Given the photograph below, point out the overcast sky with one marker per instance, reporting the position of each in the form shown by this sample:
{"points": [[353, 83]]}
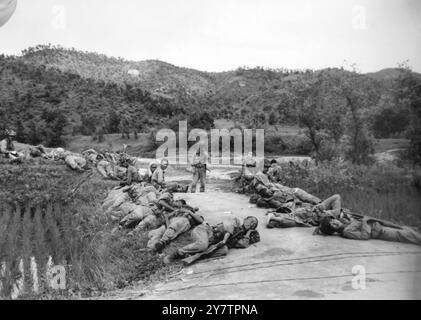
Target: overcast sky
{"points": [[221, 35]]}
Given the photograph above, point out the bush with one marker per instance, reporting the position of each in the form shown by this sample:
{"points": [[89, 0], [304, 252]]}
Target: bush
{"points": [[287, 145]]}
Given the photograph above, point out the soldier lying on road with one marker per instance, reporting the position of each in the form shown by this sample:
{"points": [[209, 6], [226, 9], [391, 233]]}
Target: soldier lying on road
{"points": [[306, 215], [181, 220], [216, 240], [368, 228]]}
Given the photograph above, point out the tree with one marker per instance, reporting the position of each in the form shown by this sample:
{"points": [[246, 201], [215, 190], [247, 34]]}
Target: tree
{"points": [[113, 122], [125, 127], [359, 97], [54, 129], [410, 93]]}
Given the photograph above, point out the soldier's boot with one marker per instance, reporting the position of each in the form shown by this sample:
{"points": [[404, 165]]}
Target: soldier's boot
{"points": [[176, 255], [159, 246]]}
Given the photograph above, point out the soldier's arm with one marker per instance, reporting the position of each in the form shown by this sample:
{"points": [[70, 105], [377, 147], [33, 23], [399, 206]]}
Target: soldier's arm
{"points": [[165, 205], [196, 217], [226, 237], [244, 242]]}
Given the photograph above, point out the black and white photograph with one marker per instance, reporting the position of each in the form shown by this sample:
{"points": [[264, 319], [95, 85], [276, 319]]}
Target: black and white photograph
{"points": [[209, 154]]}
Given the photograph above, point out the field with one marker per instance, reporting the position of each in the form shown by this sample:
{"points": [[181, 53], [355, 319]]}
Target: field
{"points": [[74, 233], [293, 136]]}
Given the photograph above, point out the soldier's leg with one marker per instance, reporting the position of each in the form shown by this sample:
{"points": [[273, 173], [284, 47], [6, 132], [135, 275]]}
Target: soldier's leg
{"points": [[281, 221], [194, 180], [275, 203], [262, 203], [406, 235], [101, 169], [81, 163], [176, 227], [202, 179], [136, 215], [151, 221], [154, 236], [200, 241], [305, 196]]}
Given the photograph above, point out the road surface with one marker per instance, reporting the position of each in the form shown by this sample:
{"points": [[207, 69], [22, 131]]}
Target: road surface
{"points": [[290, 264]]}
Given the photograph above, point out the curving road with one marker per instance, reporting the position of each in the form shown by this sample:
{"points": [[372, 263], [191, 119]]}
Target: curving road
{"points": [[291, 264]]}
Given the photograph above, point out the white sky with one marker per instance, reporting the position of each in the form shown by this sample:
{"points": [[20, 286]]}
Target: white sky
{"points": [[217, 35]]}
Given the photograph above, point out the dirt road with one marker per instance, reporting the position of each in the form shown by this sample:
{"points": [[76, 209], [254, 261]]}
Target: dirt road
{"points": [[291, 264]]}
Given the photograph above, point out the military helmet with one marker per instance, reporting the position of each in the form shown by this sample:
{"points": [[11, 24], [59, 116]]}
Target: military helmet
{"points": [[10, 133], [254, 198], [266, 163]]}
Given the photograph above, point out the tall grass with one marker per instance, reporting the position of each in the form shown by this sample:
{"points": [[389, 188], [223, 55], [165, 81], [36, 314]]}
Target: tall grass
{"points": [[38, 222], [380, 190]]}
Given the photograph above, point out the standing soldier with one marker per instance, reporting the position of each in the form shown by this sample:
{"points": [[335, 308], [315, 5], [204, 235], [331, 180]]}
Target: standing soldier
{"points": [[6, 145], [158, 176], [199, 162]]}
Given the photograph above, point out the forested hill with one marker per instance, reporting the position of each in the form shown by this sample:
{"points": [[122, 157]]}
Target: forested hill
{"points": [[50, 90], [43, 102]]}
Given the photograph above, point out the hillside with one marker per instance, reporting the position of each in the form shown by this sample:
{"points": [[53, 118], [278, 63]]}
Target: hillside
{"points": [[51, 91]]}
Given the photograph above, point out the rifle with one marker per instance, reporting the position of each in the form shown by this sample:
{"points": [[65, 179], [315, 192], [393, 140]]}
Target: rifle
{"points": [[189, 260], [82, 181], [381, 221]]}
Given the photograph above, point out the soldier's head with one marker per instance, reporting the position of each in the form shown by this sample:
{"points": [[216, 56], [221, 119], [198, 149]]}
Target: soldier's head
{"points": [[218, 231], [153, 166], [10, 134], [329, 225], [164, 164], [266, 165], [250, 223], [254, 198], [179, 203]]}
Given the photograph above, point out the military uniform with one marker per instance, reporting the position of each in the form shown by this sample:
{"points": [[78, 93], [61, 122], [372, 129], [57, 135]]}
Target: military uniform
{"points": [[158, 178], [374, 230], [199, 171], [179, 222], [204, 236], [75, 162], [7, 147], [275, 173], [305, 214]]}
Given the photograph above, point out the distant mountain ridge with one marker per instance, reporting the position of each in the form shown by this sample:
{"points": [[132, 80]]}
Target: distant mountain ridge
{"points": [[94, 90], [157, 76]]}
